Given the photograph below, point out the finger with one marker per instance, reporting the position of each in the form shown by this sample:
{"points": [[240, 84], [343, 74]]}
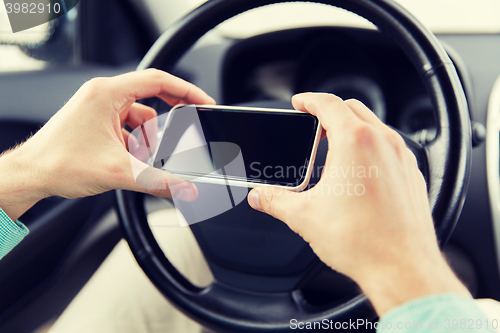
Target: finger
{"points": [[130, 142], [157, 182], [410, 163], [141, 152], [175, 101], [137, 114], [275, 201], [137, 149], [364, 113], [144, 121], [153, 82], [331, 110]]}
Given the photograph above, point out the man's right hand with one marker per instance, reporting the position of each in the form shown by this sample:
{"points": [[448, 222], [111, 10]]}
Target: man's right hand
{"points": [[369, 216]]}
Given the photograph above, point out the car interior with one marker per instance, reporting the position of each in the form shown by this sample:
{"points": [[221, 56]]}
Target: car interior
{"points": [[258, 58]]}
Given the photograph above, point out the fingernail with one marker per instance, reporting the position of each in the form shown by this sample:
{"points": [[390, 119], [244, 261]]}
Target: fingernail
{"points": [[254, 200], [184, 192]]}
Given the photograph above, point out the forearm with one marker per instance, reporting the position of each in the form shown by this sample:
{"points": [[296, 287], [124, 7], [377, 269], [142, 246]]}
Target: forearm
{"points": [[390, 287], [21, 182]]}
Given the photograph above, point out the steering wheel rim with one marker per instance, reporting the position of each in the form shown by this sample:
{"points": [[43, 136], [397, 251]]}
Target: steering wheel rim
{"points": [[447, 158]]}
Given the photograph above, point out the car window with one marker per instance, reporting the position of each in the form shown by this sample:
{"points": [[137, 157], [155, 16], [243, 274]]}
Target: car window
{"points": [[47, 45]]}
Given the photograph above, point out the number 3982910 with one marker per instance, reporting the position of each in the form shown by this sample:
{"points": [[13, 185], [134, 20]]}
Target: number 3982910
{"points": [[32, 8]]}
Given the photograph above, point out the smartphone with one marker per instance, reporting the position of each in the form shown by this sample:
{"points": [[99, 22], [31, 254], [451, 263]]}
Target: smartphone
{"points": [[239, 146]]}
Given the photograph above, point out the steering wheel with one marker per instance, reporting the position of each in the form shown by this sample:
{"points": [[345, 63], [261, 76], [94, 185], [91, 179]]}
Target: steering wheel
{"points": [[257, 262]]}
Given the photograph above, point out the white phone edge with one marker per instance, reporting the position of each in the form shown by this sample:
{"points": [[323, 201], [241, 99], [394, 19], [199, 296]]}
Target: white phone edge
{"points": [[242, 183]]}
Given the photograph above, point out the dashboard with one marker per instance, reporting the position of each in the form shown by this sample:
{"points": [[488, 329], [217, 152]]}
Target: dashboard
{"points": [[348, 62]]}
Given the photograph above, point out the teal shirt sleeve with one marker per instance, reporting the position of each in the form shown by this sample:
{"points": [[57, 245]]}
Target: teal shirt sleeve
{"points": [[438, 314], [11, 233]]}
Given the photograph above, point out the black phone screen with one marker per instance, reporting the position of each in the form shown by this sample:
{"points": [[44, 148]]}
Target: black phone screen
{"points": [[254, 146]]}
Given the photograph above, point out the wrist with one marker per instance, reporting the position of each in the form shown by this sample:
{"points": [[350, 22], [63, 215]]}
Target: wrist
{"points": [[388, 287], [21, 182]]}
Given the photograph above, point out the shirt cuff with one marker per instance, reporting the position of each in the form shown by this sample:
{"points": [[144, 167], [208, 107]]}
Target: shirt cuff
{"points": [[11, 233], [438, 313]]}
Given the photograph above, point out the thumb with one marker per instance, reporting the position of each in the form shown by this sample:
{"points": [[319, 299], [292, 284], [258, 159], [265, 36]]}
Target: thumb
{"points": [[275, 201], [157, 182]]}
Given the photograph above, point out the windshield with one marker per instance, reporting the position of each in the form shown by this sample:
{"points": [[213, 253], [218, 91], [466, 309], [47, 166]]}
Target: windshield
{"points": [[36, 48], [440, 16]]}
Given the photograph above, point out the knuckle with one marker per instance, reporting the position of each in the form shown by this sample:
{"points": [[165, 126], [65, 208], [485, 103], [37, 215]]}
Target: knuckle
{"points": [[310, 103], [95, 85], [151, 180], [116, 173], [116, 169], [157, 192], [152, 70], [157, 185], [331, 98], [318, 99], [269, 203], [354, 103], [156, 73], [364, 134], [396, 140], [411, 157]]}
